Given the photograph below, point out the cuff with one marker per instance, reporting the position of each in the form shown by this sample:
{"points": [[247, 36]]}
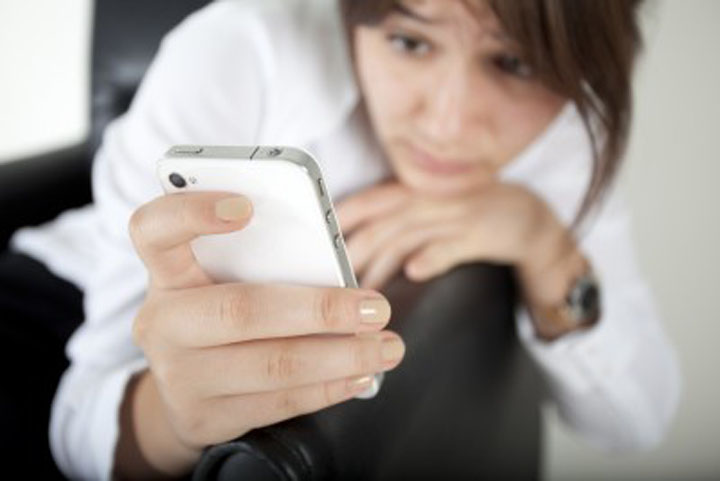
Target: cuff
{"points": [[105, 419], [579, 360]]}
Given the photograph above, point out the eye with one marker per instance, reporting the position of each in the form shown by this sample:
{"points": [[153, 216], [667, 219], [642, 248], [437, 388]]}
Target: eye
{"points": [[513, 65], [409, 45]]}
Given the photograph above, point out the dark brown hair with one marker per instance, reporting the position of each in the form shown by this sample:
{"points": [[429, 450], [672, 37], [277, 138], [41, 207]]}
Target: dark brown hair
{"points": [[583, 50]]}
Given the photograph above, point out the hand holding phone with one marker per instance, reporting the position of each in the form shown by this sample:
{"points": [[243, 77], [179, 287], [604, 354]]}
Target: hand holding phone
{"points": [[293, 236], [229, 357]]}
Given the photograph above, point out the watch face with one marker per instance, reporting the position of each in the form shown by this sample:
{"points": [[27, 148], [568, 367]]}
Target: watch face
{"points": [[584, 300], [589, 298]]}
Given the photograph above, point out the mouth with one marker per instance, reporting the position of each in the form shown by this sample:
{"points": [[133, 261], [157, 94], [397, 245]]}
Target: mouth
{"points": [[437, 165]]}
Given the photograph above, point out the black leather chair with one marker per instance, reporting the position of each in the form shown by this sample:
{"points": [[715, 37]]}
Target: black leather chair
{"points": [[464, 404]]}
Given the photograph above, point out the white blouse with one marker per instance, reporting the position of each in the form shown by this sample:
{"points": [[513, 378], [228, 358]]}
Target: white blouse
{"points": [[278, 72]]}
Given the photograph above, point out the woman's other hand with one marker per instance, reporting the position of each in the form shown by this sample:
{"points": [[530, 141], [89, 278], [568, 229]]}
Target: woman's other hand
{"points": [[390, 227]]}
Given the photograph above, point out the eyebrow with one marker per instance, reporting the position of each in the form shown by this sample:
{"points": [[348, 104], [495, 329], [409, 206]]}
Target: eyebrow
{"points": [[403, 10]]}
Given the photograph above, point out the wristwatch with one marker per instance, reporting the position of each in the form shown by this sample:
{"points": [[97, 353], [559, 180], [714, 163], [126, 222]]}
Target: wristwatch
{"points": [[579, 309]]}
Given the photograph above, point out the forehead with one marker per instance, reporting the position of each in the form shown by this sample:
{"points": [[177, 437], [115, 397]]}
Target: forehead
{"points": [[473, 17]]}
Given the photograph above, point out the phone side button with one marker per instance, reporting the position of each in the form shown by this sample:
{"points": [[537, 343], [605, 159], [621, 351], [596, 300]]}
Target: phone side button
{"points": [[187, 150], [338, 240], [328, 216], [321, 186]]}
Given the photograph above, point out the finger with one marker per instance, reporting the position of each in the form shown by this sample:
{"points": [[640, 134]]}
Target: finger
{"points": [[390, 258], [272, 364], [364, 243], [373, 202], [235, 312], [162, 229], [438, 257], [224, 418], [370, 239]]}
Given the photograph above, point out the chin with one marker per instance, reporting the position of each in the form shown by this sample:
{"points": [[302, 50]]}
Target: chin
{"points": [[433, 179], [441, 186]]}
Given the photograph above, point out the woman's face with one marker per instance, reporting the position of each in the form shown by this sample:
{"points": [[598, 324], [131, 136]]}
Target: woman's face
{"points": [[447, 95]]}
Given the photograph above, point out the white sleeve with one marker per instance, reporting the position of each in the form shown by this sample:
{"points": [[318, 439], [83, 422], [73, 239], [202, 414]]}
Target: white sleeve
{"points": [[617, 384], [205, 87]]}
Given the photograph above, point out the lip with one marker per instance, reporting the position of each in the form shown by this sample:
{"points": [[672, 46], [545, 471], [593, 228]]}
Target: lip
{"points": [[437, 165]]}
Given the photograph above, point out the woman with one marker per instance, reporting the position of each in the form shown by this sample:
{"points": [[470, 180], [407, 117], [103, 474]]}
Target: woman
{"points": [[450, 131]]}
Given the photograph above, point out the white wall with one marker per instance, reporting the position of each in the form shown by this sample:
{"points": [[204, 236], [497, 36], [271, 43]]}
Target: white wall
{"points": [[671, 178], [43, 74]]}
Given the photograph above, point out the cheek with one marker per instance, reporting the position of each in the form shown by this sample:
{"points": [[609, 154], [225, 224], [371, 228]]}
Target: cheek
{"points": [[385, 86], [518, 121]]}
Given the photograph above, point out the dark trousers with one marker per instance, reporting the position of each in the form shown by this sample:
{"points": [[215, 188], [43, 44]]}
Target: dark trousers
{"points": [[38, 313]]}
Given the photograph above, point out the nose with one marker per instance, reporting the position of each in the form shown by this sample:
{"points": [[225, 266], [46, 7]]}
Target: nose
{"points": [[449, 106]]}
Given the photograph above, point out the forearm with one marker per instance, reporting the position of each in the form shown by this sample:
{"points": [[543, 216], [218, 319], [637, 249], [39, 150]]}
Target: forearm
{"points": [[616, 384], [147, 446]]}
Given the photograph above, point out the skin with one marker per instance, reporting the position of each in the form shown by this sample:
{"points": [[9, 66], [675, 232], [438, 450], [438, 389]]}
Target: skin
{"points": [[451, 96]]}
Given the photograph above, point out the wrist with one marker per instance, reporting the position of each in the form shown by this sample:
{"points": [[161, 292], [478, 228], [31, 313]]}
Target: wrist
{"points": [[554, 273], [576, 307], [551, 257], [148, 447]]}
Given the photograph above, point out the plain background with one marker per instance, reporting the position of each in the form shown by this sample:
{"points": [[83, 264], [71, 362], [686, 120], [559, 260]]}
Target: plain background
{"points": [[671, 178]]}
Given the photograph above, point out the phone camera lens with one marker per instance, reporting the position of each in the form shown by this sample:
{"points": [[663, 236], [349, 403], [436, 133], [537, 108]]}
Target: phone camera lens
{"points": [[177, 180]]}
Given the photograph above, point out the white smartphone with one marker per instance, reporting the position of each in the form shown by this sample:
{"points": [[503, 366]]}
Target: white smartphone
{"points": [[293, 236]]}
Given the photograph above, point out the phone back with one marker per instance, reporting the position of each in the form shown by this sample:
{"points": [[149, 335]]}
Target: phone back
{"points": [[293, 236]]}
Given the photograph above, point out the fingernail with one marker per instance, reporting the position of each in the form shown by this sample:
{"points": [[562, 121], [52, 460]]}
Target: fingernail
{"points": [[374, 311], [392, 348], [360, 383], [232, 208]]}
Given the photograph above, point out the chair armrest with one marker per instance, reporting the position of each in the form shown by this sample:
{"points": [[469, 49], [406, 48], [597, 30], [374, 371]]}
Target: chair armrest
{"points": [[463, 404], [36, 189]]}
